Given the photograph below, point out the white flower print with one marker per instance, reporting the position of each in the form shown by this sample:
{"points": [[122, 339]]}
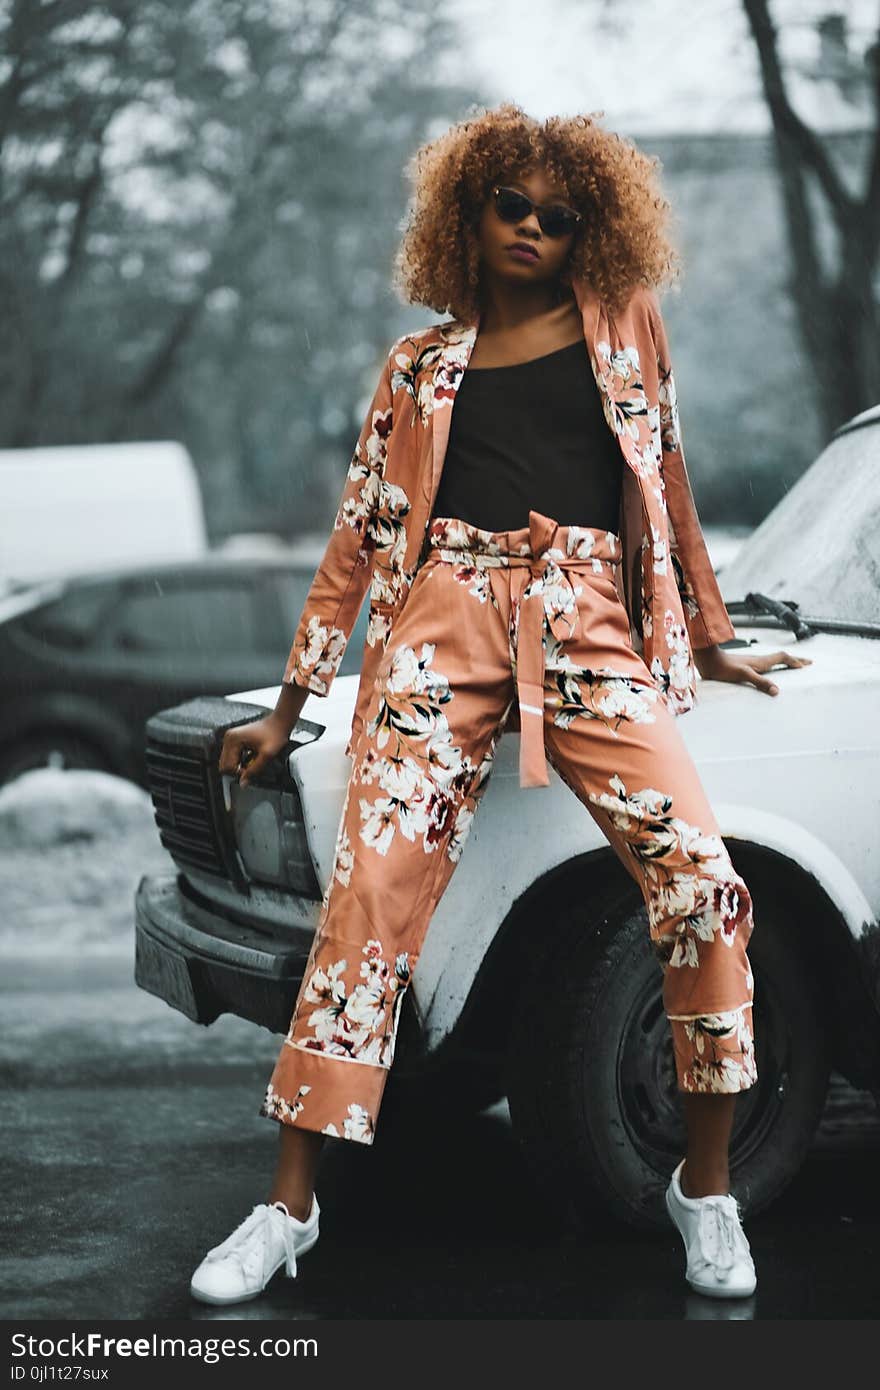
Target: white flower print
{"points": [[360, 1020], [722, 1051], [621, 699], [327, 984], [378, 627], [344, 858], [377, 830], [579, 692], [358, 1124], [460, 832], [670, 429], [693, 892], [386, 524], [677, 678], [275, 1107], [320, 656], [418, 804], [475, 579], [364, 1006], [433, 374], [659, 551], [409, 673], [581, 542], [560, 593]]}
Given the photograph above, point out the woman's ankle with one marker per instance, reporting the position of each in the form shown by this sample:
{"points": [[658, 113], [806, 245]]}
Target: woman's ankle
{"points": [[704, 1182], [296, 1206]]}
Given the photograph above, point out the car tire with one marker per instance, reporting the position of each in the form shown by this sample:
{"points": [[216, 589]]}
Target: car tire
{"points": [[63, 750], [591, 1078]]}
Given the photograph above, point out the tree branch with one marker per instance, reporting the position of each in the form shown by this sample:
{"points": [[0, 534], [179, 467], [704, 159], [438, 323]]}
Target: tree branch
{"points": [[786, 120]]}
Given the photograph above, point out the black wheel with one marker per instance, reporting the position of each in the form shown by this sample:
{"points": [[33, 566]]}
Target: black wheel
{"points": [[63, 750], [592, 1085]]}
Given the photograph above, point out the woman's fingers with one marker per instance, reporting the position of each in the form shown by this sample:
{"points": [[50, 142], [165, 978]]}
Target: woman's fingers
{"points": [[233, 754], [229, 753], [755, 669], [787, 658], [755, 677], [251, 766], [246, 750]]}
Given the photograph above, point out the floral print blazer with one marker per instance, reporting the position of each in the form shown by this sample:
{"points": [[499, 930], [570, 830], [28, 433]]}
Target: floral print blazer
{"points": [[666, 579]]}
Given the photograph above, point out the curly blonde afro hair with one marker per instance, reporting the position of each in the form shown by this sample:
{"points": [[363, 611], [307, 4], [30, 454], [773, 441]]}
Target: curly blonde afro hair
{"points": [[622, 241]]}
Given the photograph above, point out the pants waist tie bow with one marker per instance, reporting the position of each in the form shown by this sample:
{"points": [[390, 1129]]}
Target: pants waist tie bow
{"points": [[543, 589]]}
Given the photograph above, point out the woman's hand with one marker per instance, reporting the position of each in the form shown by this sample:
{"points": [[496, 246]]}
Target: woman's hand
{"points": [[264, 738], [716, 664]]}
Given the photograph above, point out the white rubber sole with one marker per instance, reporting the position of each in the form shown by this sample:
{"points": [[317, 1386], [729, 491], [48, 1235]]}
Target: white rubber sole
{"points": [[719, 1292], [219, 1300], [709, 1290]]}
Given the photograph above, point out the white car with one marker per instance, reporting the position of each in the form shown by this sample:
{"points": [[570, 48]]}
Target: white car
{"points": [[586, 1065]]}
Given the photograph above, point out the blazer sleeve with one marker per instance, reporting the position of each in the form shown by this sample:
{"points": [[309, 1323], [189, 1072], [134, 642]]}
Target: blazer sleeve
{"points": [[705, 612], [337, 590]]}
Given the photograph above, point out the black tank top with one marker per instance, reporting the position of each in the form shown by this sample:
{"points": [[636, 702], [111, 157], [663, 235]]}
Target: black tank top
{"points": [[531, 436]]}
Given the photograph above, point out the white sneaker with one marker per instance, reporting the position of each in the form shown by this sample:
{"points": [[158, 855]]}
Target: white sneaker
{"points": [[242, 1266], [719, 1260]]}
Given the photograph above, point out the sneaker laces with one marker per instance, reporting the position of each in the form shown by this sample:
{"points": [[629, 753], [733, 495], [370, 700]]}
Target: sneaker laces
{"points": [[721, 1237], [250, 1235]]}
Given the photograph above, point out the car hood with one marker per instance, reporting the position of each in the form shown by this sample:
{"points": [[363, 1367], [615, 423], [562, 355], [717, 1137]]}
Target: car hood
{"points": [[820, 546], [837, 660], [334, 710]]}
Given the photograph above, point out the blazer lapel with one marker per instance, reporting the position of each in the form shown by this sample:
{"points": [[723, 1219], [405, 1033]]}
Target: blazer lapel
{"points": [[604, 343], [456, 346], [621, 411]]}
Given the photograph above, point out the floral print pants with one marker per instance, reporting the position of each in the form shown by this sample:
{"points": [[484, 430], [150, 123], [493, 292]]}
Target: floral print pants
{"points": [[532, 616]]}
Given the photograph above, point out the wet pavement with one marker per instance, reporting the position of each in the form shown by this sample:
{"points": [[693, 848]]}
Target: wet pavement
{"points": [[131, 1142]]}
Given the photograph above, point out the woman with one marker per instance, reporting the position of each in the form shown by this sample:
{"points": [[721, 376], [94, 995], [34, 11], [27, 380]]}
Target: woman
{"points": [[545, 242]]}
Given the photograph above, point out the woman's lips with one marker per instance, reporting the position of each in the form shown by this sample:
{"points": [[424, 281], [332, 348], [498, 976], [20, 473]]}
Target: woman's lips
{"points": [[522, 253]]}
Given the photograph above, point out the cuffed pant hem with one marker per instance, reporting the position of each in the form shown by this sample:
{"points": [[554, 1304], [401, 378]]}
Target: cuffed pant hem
{"points": [[331, 1095], [715, 1053]]}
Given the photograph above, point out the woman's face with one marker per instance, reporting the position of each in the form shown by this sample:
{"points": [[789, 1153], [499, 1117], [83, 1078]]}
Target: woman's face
{"points": [[498, 238]]}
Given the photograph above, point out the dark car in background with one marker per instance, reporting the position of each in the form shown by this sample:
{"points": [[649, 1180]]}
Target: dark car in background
{"points": [[86, 660]]}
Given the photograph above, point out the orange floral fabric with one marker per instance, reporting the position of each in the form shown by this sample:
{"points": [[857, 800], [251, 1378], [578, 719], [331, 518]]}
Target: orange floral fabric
{"points": [[533, 617]]}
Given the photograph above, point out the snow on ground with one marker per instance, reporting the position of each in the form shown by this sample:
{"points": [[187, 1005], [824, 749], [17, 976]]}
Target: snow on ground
{"points": [[73, 846]]}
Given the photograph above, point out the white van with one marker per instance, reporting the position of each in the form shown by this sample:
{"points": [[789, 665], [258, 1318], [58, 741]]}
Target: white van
{"points": [[96, 506]]}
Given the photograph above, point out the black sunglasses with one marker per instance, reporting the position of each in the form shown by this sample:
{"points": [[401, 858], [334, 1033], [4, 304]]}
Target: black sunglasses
{"points": [[555, 219]]}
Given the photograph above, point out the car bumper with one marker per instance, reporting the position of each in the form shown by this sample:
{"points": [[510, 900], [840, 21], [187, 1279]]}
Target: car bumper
{"points": [[204, 965]]}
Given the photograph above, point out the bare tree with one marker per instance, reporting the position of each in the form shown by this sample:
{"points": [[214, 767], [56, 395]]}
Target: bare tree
{"points": [[198, 210], [837, 312]]}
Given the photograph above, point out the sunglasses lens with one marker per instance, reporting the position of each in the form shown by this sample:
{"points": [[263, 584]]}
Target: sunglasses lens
{"points": [[556, 221], [510, 205]]}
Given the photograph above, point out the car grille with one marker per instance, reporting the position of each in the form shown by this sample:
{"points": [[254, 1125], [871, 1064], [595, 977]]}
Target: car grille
{"points": [[181, 794], [181, 754], [181, 751]]}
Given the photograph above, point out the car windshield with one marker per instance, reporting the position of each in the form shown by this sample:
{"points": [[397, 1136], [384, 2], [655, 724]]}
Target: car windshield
{"points": [[820, 546]]}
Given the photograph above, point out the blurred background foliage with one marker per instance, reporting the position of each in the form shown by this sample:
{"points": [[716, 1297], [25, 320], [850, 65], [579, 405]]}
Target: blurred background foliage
{"points": [[200, 208], [201, 204]]}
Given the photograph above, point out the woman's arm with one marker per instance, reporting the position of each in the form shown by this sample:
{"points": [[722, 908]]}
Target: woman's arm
{"points": [[337, 590], [705, 612]]}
